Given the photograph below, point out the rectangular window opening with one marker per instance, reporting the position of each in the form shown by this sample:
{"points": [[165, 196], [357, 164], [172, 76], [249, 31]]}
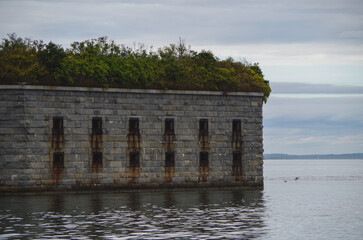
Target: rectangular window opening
{"points": [[97, 125], [57, 125], [237, 159], [134, 159], [203, 159], [203, 127], [134, 126], [97, 159], [58, 160], [169, 126], [236, 126], [169, 159]]}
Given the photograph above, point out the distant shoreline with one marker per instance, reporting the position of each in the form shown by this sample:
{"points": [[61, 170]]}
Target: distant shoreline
{"points": [[313, 156]]}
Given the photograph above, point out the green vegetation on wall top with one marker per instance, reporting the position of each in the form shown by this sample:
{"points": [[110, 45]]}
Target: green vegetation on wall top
{"points": [[100, 62]]}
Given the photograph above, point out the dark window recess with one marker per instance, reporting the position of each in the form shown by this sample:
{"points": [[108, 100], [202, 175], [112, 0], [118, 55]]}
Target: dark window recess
{"points": [[237, 159], [57, 125], [134, 159], [203, 127], [236, 126], [134, 126], [97, 159], [203, 159], [169, 126], [97, 125], [169, 159], [58, 160]]}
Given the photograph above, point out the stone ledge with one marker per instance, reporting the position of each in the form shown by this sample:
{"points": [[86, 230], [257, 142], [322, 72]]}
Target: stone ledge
{"points": [[86, 188], [124, 90]]}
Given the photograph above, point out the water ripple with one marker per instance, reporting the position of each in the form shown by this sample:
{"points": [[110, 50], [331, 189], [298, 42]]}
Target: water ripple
{"points": [[164, 215]]}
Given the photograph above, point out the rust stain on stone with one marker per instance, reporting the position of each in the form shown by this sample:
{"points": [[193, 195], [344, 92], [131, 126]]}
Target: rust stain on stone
{"points": [[133, 142], [169, 139], [133, 155], [96, 142], [204, 142], [237, 168], [237, 145], [169, 168], [58, 167], [203, 167], [237, 140], [133, 174], [203, 174], [97, 152], [57, 174], [95, 180], [169, 173], [169, 145], [96, 168], [237, 173], [57, 139]]}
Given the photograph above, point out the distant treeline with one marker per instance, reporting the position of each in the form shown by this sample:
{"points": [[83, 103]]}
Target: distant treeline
{"points": [[314, 156], [101, 62]]}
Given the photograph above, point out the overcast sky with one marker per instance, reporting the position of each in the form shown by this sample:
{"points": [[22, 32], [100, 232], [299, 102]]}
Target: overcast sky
{"points": [[311, 51]]}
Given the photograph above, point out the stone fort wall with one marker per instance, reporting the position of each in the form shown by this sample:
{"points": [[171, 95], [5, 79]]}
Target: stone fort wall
{"points": [[68, 138]]}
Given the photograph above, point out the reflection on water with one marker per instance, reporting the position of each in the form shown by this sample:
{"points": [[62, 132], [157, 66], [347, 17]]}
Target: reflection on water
{"points": [[325, 202], [190, 214]]}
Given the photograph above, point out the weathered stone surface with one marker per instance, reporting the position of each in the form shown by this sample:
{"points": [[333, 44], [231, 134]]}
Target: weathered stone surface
{"points": [[28, 147]]}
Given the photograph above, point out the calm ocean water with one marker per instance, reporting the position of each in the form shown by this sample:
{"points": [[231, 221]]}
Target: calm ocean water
{"points": [[325, 202]]}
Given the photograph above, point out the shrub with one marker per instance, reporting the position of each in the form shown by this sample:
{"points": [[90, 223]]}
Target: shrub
{"points": [[100, 62]]}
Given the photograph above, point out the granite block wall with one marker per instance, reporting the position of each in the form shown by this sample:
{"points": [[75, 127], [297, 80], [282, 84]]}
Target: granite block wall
{"points": [[59, 138]]}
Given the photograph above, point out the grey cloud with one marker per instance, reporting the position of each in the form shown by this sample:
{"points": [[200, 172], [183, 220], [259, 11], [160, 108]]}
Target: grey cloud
{"points": [[345, 108], [313, 125], [310, 141], [201, 22], [306, 88]]}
